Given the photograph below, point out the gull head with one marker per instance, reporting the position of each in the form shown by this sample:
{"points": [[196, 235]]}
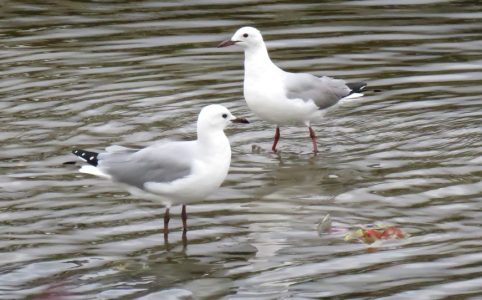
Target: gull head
{"points": [[246, 37], [216, 117]]}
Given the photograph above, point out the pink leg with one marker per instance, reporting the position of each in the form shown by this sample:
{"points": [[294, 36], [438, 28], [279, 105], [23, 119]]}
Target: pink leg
{"points": [[313, 139], [276, 139], [184, 219], [166, 222]]}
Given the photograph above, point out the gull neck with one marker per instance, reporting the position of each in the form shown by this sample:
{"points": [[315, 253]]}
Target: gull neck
{"points": [[257, 60], [211, 138]]}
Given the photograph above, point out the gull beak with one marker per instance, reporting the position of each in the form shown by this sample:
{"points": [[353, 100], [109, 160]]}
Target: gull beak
{"points": [[240, 120], [227, 43]]}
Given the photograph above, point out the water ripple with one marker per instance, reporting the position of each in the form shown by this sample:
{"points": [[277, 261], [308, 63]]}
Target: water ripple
{"points": [[407, 154]]}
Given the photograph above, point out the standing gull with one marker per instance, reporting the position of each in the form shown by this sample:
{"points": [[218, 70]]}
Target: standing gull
{"points": [[281, 97], [179, 172]]}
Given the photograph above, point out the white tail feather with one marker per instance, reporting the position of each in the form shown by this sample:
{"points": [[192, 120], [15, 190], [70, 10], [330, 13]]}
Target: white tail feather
{"points": [[353, 96], [94, 171]]}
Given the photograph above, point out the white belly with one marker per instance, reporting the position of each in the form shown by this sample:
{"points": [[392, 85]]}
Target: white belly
{"points": [[207, 176], [275, 108]]}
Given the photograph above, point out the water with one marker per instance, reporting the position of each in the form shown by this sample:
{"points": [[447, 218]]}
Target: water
{"points": [[93, 73]]}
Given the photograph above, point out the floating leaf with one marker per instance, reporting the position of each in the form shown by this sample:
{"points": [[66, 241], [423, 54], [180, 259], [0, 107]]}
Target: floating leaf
{"points": [[324, 225], [353, 235]]}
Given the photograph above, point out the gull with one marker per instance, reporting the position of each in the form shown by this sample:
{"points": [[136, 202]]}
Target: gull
{"points": [[179, 172], [281, 97]]}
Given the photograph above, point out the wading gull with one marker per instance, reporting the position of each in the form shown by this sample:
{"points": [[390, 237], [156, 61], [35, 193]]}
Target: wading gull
{"points": [[179, 172], [281, 97]]}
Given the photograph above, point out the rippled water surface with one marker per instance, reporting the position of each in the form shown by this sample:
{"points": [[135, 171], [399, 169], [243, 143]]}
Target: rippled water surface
{"points": [[93, 73]]}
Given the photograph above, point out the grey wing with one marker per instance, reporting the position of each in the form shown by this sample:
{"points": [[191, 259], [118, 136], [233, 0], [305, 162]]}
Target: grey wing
{"points": [[163, 163], [323, 91]]}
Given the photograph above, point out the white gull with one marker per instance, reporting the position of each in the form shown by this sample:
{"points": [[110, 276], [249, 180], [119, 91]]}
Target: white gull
{"points": [[178, 172], [281, 97]]}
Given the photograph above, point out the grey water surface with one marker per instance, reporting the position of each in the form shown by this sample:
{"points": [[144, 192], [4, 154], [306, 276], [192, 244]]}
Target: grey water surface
{"points": [[94, 73]]}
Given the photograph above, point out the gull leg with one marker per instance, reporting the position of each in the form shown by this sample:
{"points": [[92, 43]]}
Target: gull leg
{"points": [[184, 220], [166, 222], [313, 139], [184, 242], [276, 139]]}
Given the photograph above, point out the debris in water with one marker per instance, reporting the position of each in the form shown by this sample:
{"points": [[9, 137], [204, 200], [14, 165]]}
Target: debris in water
{"points": [[366, 234]]}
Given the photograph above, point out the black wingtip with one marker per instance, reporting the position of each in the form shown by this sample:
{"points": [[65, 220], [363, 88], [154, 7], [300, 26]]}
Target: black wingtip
{"points": [[357, 87], [87, 156]]}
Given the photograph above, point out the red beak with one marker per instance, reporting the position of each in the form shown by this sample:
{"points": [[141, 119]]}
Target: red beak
{"points": [[226, 43]]}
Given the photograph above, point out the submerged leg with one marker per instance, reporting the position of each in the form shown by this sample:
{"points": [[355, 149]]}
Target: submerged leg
{"points": [[166, 222], [184, 219], [313, 139], [276, 139]]}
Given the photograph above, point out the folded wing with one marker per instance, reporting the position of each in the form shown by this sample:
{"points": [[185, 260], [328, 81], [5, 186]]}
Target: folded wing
{"points": [[323, 91], [159, 163]]}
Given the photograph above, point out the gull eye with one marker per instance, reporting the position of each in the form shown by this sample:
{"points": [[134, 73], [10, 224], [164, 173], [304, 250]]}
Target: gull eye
{"points": [[225, 116], [245, 35]]}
